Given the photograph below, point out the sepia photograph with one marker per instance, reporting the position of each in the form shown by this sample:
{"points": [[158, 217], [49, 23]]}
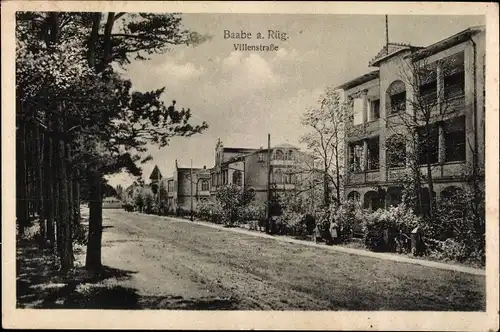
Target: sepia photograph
{"points": [[226, 161]]}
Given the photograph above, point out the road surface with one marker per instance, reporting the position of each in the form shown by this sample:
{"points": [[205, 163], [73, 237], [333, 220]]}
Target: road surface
{"points": [[168, 264]]}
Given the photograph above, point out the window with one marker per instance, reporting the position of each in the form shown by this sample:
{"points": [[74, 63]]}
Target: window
{"points": [[214, 180], [398, 102], [354, 196], [428, 144], [396, 151], [289, 155], [454, 138], [372, 162], [356, 157], [260, 156], [205, 185], [289, 177], [278, 155], [374, 112], [428, 92], [224, 177], [278, 176], [237, 178], [428, 83], [358, 111], [396, 97], [454, 75]]}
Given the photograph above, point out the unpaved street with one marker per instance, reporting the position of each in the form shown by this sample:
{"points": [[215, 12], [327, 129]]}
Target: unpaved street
{"points": [[178, 265]]}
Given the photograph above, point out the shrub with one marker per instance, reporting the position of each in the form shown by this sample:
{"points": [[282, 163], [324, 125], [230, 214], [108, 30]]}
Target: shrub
{"points": [[451, 250], [253, 212], [349, 217], [382, 226], [233, 201], [209, 211], [458, 228]]}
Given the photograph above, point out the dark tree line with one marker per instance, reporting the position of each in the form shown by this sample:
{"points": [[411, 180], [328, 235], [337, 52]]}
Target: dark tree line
{"points": [[78, 120]]}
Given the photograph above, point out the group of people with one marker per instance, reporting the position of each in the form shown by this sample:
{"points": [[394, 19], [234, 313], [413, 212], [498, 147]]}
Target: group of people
{"points": [[327, 229]]}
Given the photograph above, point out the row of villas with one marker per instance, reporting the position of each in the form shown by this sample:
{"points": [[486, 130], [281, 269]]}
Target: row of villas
{"points": [[376, 105], [289, 169], [447, 74]]}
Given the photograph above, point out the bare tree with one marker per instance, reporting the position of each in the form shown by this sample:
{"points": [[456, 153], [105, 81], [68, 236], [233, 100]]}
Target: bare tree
{"points": [[325, 141], [420, 106]]}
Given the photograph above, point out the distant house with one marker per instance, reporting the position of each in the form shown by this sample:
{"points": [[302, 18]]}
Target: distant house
{"points": [[155, 178], [111, 203], [185, 186]]}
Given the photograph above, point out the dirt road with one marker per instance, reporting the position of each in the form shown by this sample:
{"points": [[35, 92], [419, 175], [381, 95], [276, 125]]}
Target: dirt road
{"points": [[166, 264]]}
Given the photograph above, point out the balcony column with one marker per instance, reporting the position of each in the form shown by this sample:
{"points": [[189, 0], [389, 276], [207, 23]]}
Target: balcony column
{"points": [[441, 145], [469, 95], [440, 84], [364, 166], [364, 96]]}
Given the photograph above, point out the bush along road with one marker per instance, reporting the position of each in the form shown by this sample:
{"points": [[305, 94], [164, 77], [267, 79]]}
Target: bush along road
{"points": [[159, 263]]}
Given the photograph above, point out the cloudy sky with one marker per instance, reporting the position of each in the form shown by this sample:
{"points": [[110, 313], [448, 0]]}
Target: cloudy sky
{"points": [[246, 95]]}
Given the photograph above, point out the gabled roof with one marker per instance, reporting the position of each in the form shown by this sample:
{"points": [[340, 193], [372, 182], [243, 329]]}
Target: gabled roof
{"points": [[446, 43], [359, 80], [389, 51], [155, 174]]}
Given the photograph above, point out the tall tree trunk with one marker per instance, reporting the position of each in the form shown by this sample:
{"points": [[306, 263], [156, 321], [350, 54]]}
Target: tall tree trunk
{"points": [[430, 182], [93, 259], [65, 206], [56, 169], [21, 195], [40, 191], [94, 34], [326, 190], [49, 186], [76, 197]]}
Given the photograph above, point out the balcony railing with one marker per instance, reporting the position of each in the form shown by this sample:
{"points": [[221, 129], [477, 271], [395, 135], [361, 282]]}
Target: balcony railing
{"points": [[282, 162]]}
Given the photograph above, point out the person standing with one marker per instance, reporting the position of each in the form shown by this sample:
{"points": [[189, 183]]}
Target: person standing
{"points": [[334, 231]]}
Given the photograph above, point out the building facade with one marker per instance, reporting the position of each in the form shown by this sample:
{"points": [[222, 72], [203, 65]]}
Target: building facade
{"points": [[185, 188], [289, 168], [422, 105]]}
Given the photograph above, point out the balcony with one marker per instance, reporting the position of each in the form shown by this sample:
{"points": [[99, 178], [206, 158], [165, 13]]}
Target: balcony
{"points": [[369, 176], [282, 162], [284, 186], [363, 130]]}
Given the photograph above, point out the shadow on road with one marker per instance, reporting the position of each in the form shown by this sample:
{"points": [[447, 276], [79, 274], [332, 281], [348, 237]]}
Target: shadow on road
{"points": [[39, 285]]}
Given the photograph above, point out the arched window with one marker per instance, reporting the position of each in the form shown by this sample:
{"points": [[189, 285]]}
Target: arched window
{"points": [[290, 155], [237, 178], [354, 196], [279, 155], [396, 97], [373, 201]]}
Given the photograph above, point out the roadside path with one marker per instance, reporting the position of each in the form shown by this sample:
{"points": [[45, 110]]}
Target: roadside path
{"points": [[353, 251]]}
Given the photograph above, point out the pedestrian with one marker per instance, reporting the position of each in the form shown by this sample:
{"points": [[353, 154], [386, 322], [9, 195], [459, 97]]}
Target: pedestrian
{"points": [[316, 233], [334, 231]]}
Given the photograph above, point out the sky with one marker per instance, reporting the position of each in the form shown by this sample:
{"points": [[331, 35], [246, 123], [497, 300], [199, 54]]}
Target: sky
{"points": [[245, 95]]}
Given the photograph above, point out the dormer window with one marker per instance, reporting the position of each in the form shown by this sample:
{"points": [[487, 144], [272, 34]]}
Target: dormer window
{"points": [[261, 156]]}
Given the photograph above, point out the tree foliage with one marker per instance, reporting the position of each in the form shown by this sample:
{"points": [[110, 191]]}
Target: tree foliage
{"points": [[233, 200], [91, 122], [325, 140]]}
